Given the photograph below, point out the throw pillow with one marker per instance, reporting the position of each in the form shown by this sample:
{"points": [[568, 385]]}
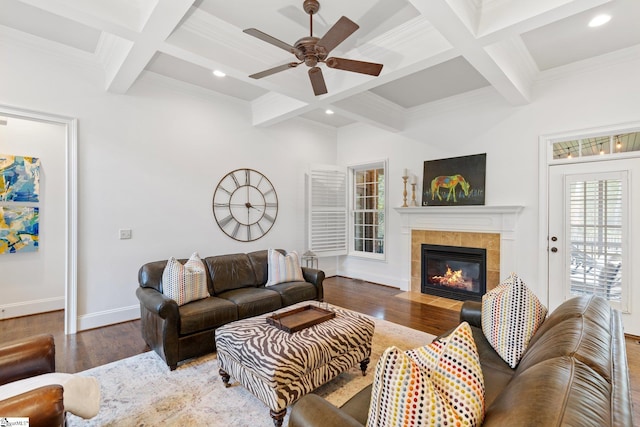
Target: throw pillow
{"points": [[438, 384], [283, 268], [185, 283], [511, 314], [81, 395]]}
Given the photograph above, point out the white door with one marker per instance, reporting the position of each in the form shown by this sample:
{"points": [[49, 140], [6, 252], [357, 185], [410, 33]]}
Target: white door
{"points": [[591, 234]]}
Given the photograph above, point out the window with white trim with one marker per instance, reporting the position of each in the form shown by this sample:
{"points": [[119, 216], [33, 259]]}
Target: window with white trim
{"points": [[368, 210]]}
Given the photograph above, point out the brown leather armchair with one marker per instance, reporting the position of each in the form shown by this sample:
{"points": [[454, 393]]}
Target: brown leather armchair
{"points": [[26, 358]]}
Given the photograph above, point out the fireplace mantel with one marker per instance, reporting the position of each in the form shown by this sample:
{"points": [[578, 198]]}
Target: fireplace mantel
{"points": [[497, 219], [461, 219]]}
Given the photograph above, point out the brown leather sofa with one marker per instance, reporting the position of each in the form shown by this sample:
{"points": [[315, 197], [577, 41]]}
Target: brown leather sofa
{"points": [[574, 372], [26, 358], [236, 285]]}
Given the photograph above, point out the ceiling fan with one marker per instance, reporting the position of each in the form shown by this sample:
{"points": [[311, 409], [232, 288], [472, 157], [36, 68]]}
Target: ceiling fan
{"points": [[313, 50]]}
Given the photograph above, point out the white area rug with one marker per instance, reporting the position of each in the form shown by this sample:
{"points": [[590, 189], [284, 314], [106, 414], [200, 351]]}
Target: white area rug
{"points": [[142, 391]]}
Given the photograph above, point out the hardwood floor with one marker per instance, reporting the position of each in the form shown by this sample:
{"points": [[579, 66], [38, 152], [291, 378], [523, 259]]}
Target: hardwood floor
{"points": [[96, 347]]}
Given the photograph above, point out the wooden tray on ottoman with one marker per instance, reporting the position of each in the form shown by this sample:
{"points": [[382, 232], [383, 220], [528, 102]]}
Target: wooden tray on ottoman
{"points": [[300, 318]]}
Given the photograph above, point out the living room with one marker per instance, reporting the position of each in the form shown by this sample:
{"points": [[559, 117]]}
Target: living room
{"points": [[149, 157]]}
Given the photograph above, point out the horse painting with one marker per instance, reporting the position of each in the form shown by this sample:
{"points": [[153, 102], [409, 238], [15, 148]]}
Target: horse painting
{"points": [[449, 182]]}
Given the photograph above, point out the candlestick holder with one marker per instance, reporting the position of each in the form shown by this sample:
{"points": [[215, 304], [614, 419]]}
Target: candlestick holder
{"points": [[413, 194], [404, 192]]}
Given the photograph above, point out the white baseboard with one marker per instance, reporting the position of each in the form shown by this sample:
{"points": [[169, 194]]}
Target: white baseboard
{"points": [[394, 282], [108, 317], [26, 308]]}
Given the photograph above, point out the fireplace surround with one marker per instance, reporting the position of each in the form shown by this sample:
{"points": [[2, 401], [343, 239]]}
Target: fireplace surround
{"points": [[453, 272]]}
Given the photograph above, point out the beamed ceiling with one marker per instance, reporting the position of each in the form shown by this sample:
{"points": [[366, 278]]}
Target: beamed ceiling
{"points": [[431, 49]]}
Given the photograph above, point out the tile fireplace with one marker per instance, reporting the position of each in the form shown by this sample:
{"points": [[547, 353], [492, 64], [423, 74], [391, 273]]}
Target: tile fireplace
{"points": [[453, 272]]}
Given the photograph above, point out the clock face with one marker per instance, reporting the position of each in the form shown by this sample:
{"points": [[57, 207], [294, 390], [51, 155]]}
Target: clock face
{"points": [[245, 205]]}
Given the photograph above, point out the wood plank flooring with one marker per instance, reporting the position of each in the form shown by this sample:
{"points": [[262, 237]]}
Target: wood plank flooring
{"points": [[96, 347]]}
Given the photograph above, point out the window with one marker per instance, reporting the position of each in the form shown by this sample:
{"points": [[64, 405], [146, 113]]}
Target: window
{"points": [[597, 146], [368, 208], [597, 227]]}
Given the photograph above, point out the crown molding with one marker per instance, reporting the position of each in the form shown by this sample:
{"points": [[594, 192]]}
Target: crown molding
{"points": [[58, 51], [608, 60]]}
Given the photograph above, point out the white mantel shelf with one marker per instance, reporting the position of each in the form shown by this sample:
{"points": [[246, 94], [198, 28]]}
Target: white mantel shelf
{"points": [[481, 218]]}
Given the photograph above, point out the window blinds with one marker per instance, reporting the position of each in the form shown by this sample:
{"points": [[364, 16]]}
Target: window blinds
{"points": [[327, 230]]}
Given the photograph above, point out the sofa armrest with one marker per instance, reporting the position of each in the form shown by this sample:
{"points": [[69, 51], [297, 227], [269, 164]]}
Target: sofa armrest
{"points": [[312, 410], [471, 312], [157, 303], [43, 406], [26, 358], [316, 277]]}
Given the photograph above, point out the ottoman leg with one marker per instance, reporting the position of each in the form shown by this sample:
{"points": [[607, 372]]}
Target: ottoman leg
{"points": [[225, 377], [363, 366], [278, 417]]}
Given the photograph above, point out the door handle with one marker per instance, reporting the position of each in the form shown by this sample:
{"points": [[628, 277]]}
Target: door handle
{"points": [[554, 239], [554, 249]]}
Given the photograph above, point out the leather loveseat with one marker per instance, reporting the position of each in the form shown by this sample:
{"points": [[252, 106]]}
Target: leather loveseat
{"points": [[574, 372], [236, 288]]}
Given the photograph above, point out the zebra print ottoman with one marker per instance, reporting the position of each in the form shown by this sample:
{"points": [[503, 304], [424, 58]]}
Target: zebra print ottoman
{"points": [[280, 367]]}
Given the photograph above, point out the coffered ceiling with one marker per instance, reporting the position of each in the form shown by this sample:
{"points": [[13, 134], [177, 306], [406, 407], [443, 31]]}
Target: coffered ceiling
{"points": [[431, 49]]}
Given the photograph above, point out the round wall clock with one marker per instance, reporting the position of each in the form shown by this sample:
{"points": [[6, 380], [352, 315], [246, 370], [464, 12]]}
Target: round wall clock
{"points": [[245, 205]]}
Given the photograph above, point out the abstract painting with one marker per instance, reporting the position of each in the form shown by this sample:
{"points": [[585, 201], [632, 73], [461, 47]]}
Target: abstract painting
{"points": [[454, 181], [18, 229], [19, 178]]}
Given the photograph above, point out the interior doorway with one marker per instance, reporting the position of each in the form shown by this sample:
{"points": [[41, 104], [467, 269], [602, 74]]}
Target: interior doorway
{"points": [[63, 216]]}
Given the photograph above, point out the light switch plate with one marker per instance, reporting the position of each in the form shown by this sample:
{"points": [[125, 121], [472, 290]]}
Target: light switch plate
{"points": [[125, 234]]}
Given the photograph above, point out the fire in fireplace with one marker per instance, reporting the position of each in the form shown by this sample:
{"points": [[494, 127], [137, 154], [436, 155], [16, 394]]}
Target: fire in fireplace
{"points": [[454, 272]]}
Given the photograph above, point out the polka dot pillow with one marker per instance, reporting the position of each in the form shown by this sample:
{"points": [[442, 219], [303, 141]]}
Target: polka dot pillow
{"points": [[435, 385], [283, 268], [185, 283], [511, 314]]}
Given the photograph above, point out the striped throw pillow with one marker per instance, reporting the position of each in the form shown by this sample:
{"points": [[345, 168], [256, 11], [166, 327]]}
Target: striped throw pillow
{"points": [[283, 268], [435, 385], [185, 283], [511, 314]]}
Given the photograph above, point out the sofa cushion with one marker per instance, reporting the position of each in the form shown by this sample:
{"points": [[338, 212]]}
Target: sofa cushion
{"points": [[587, 337], [511, 314], [293, 292], [206, 314], [442, 381], [185, 283], [283, 268], [253, 301], [556, 392], [230, 272], [259, 262]]}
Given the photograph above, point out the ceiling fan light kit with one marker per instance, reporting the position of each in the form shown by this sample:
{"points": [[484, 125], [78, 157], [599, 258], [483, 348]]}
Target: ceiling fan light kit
{"points": [[313, 51]]}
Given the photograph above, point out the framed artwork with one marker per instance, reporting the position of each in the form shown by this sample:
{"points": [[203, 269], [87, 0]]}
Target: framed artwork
{"points": [[454, 181], [19, 178], [19, 229]]}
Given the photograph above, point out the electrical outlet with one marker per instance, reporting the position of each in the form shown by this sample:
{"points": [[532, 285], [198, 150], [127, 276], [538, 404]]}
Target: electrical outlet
{"points": [[125, 234]]}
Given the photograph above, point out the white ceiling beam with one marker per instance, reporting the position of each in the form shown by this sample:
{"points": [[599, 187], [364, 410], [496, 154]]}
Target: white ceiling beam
{"points": [[367, 107], [164, 18], [447, 21]]}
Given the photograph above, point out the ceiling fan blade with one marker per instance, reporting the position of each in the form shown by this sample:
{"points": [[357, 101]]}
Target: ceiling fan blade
{"points": [[371, 68], [274, 70], [269, 39], [337, 34], [317, 81]]}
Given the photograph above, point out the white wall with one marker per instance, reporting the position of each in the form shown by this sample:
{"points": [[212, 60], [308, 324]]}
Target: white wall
{"points": [[32, 282], [149, 161], [481, 122]]}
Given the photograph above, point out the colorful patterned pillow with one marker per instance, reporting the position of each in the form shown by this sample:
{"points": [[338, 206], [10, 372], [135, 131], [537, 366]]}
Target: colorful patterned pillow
{"points": [[439, 384], [283, 268], [185, 283], [511, 314]]}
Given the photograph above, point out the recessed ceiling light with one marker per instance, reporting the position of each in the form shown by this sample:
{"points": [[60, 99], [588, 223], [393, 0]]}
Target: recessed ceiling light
{"points": [[327, 111], [218, 73], [599, 20]]}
